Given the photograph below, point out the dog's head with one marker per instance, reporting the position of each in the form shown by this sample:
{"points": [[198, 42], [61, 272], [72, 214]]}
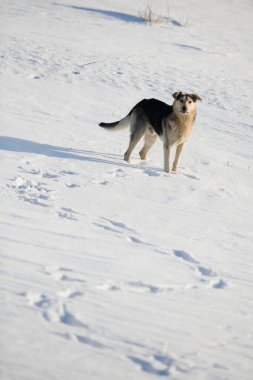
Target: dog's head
{"points": [[185, 103]]}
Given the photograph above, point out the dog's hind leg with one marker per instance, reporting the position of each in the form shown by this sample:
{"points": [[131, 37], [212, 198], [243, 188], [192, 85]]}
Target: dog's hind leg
{"points": [[149, 140], [138, 128], [134, 139], [178, 153]]}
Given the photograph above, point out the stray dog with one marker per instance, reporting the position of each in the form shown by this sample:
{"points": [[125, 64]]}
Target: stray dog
{"points": [[151, 118]]}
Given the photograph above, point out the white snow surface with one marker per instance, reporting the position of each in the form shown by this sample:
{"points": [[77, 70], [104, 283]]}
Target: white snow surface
{"points": [[112, 270]]}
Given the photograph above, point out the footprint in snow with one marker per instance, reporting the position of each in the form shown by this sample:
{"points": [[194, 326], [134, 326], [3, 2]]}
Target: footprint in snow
{"points": [[185, 256], [37, 193], [72, 185], [115, 223], [221, 284], [113, 226], [83, 340], [135, 240], [37, 299], [206, 271], [69, 293], [192, 176], [62, 274], [62, 315], [38, 76], [116, 173], [54, 311], [98, 182], [67, 213], [121, 229], [160, 364], [50, 175], [68, 172], [135, 286], [29, 171], [202, 270], [152, 173]]}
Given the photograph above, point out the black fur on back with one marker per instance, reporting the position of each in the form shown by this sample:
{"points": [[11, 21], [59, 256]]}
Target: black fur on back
{"points": [[155, 110]]}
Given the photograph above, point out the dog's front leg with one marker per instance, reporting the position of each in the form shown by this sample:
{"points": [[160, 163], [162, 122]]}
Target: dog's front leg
{"points": [[178, 153], [166, 148], [166, 153]]}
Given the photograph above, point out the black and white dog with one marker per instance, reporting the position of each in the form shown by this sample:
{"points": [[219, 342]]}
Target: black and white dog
{"points": [[151, 118]]}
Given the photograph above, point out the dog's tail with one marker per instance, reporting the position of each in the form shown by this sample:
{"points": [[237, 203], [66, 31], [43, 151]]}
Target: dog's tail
{"points": [[117, 125]]}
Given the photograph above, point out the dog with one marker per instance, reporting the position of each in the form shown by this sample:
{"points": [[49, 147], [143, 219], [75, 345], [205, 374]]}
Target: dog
{"points": [[151, 118]]}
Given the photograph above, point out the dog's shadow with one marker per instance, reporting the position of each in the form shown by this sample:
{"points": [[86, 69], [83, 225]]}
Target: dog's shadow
{"points": [[13, 144]]}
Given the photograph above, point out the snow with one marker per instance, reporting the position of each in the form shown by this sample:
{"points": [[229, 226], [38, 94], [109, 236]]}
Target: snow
{"points": [[112, 270]]}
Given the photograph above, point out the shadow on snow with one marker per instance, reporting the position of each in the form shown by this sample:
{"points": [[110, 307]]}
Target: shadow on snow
{"points": [[13, 144], [119, 15]]}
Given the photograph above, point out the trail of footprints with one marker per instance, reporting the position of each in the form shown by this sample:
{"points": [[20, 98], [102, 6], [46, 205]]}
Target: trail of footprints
{"points": [[205, 276], [57, 308], [78, 331]]}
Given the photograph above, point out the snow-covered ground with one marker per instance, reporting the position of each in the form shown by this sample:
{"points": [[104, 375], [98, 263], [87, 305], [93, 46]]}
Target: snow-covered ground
{"points": [[112, 270]]}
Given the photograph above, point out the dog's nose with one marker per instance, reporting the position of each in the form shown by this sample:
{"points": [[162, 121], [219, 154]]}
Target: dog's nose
{"points": [[184, 109]]}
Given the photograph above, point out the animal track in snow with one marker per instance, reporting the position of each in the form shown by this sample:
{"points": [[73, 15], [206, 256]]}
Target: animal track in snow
{"points": [[71, 185], [191, 176], [141, 287], [100, 182], [51, 307], [185, 256], [202, 270], [67, 213], [158, 364], [220, 284], [62, 274], [83, 340], [135, 240], [69, 293], [152, 172], [117, 224], [37, 193], [113, 226], [121, 229], [206, 271], [38, 299], [60, 314], [50, 174], [68, 172], [116, 173], [29, 170]]}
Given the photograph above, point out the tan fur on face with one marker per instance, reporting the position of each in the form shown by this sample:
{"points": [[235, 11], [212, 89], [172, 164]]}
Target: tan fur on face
{"points": [[184, 104]]}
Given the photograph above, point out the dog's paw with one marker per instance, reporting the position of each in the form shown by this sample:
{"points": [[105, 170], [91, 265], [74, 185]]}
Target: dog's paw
{"points": [[127, 159]]}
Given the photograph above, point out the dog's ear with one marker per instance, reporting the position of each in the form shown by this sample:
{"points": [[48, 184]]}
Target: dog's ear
{"points": [[177, 95], [195, 97]]}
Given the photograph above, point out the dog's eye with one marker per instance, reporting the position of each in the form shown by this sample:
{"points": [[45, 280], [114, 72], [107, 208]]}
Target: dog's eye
{"points": [[190, 101], [181, 101]]}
